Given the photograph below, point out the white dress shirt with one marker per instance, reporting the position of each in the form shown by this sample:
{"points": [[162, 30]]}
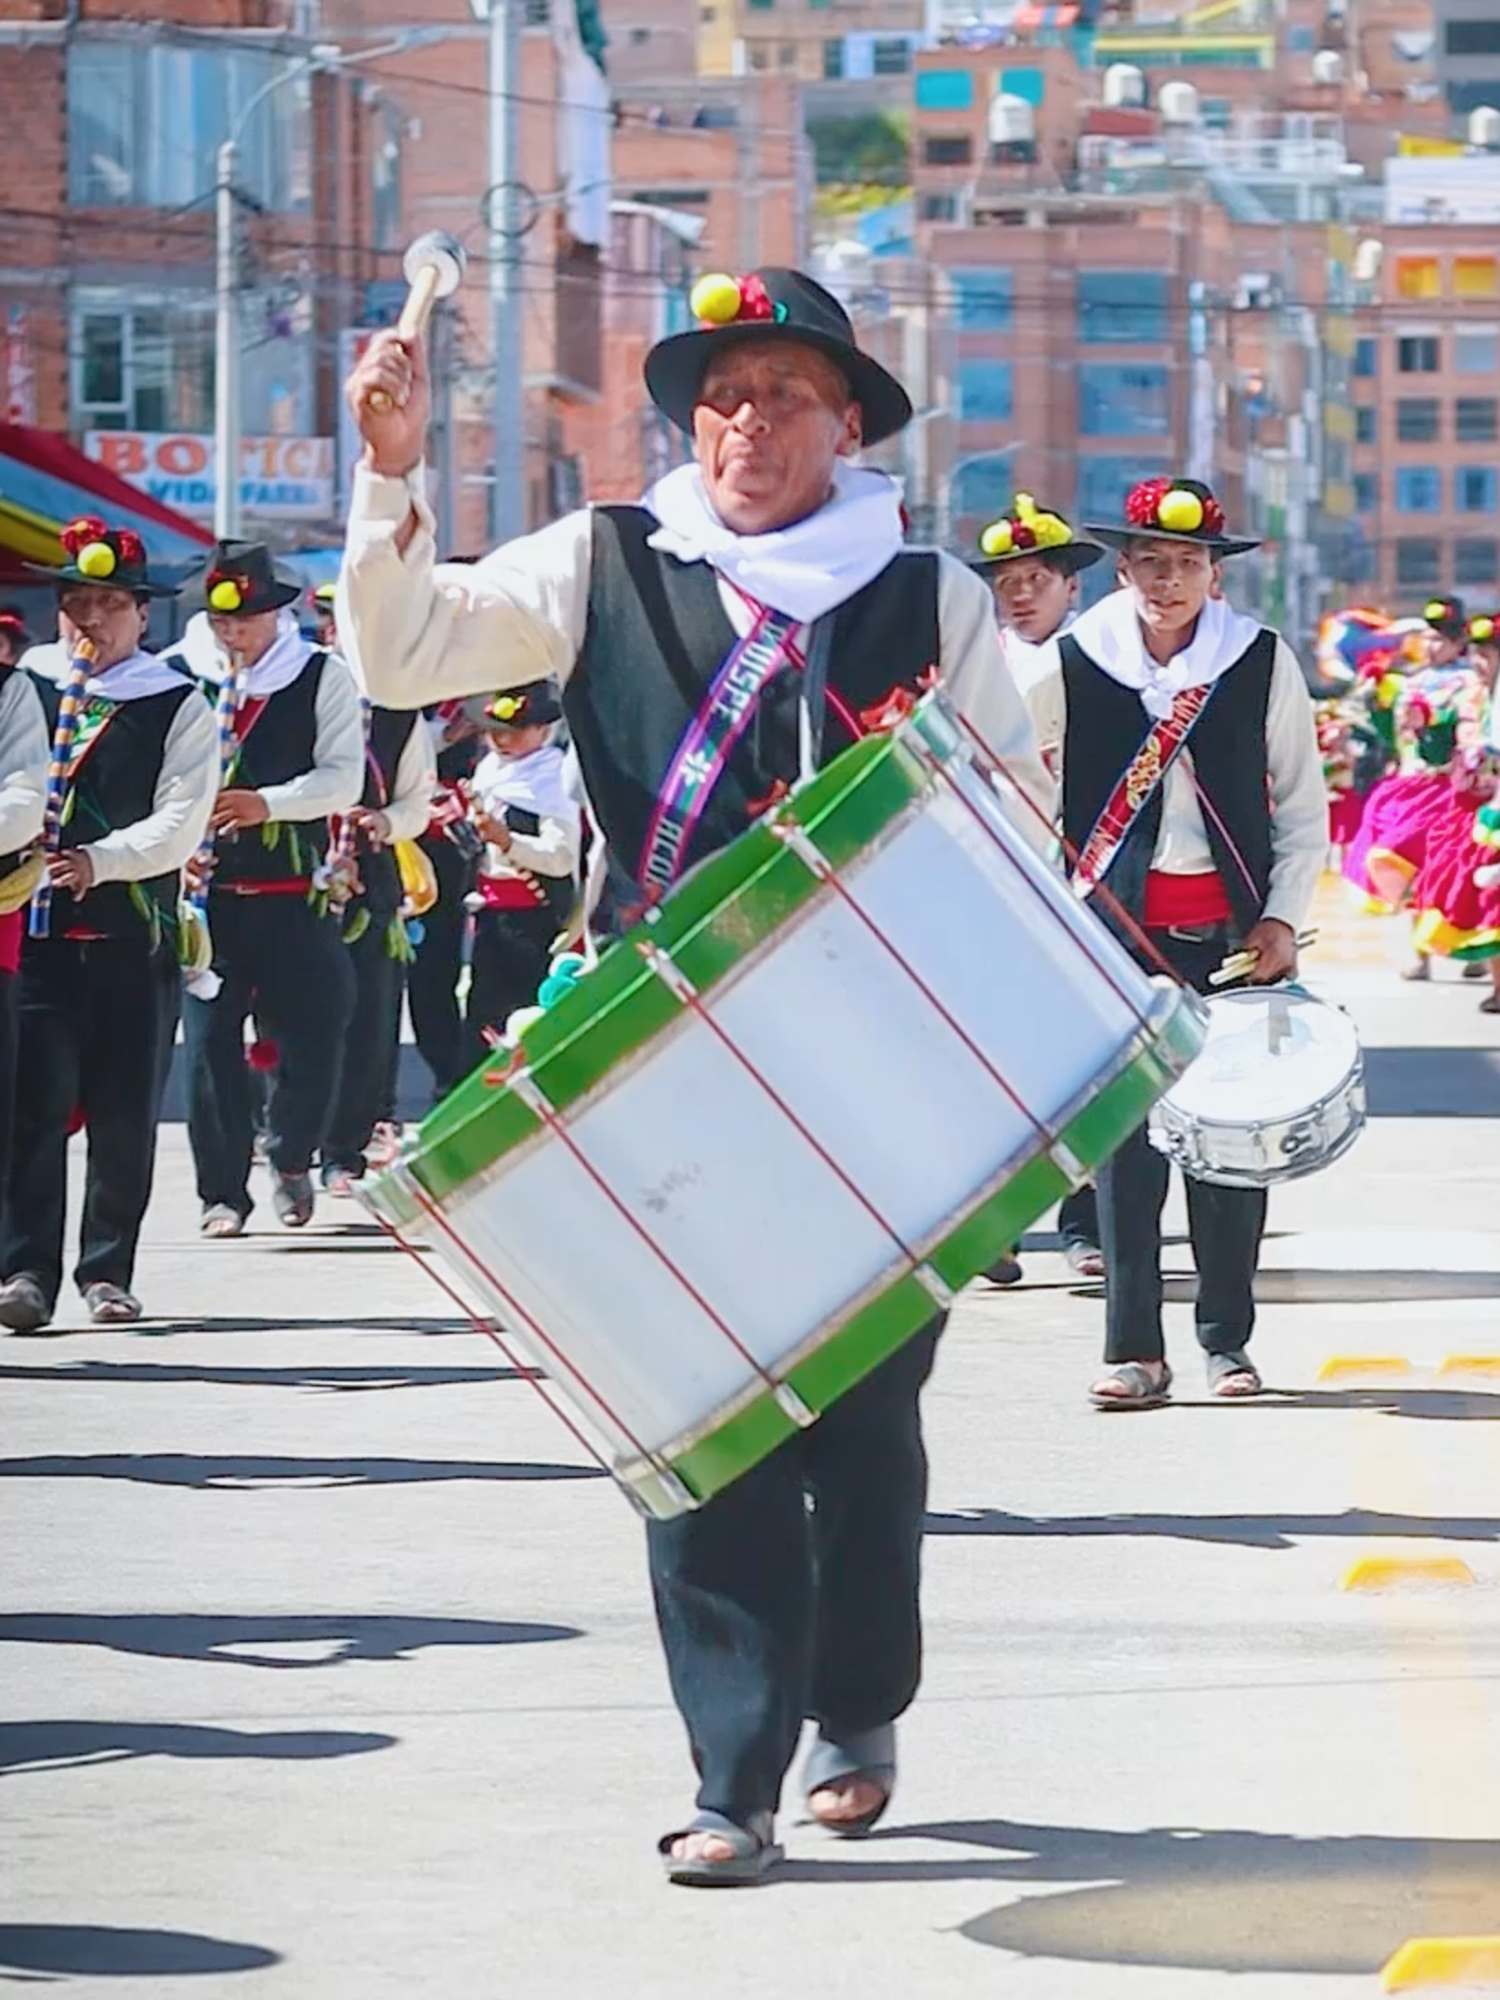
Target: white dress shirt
{"points": [[186, 786], [420, 632], [409, 806], [25, 755], [336, 778]]}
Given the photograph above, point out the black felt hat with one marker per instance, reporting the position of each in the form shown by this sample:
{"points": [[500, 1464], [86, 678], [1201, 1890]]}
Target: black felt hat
{"points": [[241, 580], [1171, 510], [516, 708], [1025, 529], [1446, 616], [776, 304], [112, 557]]}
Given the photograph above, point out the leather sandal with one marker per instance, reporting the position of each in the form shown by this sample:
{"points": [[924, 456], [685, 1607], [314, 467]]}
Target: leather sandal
{"points": [[1132, 1386], [753, 1842], [1233, 1375], [870, 1755]]}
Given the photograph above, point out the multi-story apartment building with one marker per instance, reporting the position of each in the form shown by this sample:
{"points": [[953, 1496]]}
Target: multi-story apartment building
{"points": [[1467, 53], [811, 39]]}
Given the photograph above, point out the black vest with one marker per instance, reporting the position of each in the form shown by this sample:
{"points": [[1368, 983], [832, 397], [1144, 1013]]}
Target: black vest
{"points": [[655, 637], [1107, 724], [390, 732], [114, 787], [280, 746]]}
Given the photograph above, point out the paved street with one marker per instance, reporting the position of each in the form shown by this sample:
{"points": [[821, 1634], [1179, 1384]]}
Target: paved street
{"points": [[328, 1669]]}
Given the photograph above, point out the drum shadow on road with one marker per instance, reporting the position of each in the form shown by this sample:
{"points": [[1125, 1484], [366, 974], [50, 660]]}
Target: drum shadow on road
{"points": [[243, 1640], [101, 1951], [257, 1473], [1344, 1288], [1254, 1531], [67, 1746], [343, 1379], [1201, 1899]]}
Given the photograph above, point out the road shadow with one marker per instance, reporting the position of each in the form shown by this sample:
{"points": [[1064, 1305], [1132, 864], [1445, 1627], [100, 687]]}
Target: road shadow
{"points": [[241, 1640], [255, 1473], [1251, 1531], [159, 1329], [64, 1746], [100, 1951], [162, 1373], [1202, 1899]]}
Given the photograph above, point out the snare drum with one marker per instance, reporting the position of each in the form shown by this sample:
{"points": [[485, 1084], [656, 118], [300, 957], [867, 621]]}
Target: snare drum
{"points": [[1278, 1092], [846, 1063]]}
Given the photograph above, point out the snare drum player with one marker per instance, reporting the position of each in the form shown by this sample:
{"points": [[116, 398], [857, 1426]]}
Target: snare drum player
{"points": [[1032, 558], [772, 560], [1192, 791]]}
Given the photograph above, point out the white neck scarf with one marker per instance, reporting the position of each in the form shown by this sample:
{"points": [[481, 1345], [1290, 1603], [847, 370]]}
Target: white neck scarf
{"points": [[536, 783], [1110, 633], [1031, 661], [803, 570], [130, 679], [277, 667]]}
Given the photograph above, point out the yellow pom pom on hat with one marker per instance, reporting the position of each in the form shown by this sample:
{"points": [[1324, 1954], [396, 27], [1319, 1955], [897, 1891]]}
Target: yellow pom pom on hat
{"points": [[1181, 511], [97, 560], [226, 596], [1028, 530], [997, 539], [716, 299], [1482, 629]]}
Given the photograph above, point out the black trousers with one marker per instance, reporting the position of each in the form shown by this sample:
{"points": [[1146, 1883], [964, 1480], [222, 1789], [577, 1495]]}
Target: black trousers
{"points": [[369, 1046], [288, 966], [772, 1609], [93, 1021], [1078, 1217], [10, 1028], [1224, 1224], [511, 956], [437, 1020]]}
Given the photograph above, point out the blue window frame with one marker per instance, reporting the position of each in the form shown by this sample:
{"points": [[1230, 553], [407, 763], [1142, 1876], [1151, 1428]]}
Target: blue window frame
{"points": [[1104, 481], [944, 90], [1419, 489], [983, 301], [1476, 489], [1366, 354], [983, 486], [986, 390], [1366, 493], [1122, 306], [1123, 399]]}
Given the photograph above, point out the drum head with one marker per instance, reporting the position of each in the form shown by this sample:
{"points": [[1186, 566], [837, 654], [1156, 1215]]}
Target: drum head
{"points": [[1271, 1053]]}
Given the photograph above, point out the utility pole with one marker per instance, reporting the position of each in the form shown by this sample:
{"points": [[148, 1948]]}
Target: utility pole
{"points": [[226, 352], [508, 514]]}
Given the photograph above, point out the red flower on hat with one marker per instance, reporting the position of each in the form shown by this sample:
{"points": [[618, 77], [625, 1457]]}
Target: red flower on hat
{"points": [[1022, 536], [755, 300], [1143, 500], [78, 534], [132, 549]]}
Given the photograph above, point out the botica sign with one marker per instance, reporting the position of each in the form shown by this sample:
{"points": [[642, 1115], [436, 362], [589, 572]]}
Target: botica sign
{"points": [[281, 478]]}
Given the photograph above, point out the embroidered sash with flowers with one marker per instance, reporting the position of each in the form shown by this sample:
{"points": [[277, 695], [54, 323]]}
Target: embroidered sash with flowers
{"points": [[1145, 772]]}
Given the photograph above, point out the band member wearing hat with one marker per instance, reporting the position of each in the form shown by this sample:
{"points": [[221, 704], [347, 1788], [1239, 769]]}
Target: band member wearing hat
{"points": [[453, 846], [25, 751], [325, 622], [397, 798], [770, 549], [527, 876], [15, 639], [1031, 558], [294, 753], [134, 762], [1192, 793]]}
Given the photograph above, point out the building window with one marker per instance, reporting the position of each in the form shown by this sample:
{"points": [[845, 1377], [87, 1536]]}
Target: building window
{"points": [[983, 301], [1472, 38], [760, 58], [786, 55], [944, 90], [983, 486], [1122, 306], [1476, 562], [947, 152], [890, 57], [1300, 41], [1417, 419], [1365, 423], [761, 6], [1366, 493], [145, 120], [1366, 354], [1474, 419], [985, 390], [937, 208], [833, 58], [1029, 84], [1103, 483], [1476, 350], [1119, 400], [1476, 489], [1476, 278], [1417, 353], [145, 362], [1419, 489], [1418, 563], [1419, 278]]}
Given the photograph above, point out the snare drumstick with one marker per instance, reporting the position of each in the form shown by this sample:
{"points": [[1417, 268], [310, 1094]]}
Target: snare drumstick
{"points": [[1239, 963]]}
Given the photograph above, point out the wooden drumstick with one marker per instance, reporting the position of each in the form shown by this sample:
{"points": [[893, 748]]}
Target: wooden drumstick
{"points": [[433, 268], [1239, 963]]}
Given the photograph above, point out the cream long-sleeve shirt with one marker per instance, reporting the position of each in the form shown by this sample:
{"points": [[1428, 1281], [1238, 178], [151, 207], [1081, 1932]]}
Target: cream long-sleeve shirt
{"points": [[409, 806], [186, 787], [25, 754], [1299, 797], [337, 776], [419, 632]]}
